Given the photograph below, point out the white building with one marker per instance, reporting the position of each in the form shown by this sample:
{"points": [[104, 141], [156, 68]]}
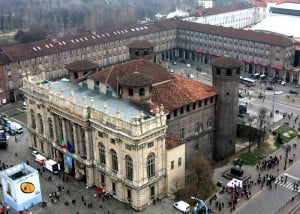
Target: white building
{"points": [[281, 19], [206, 3], [236, 16]]}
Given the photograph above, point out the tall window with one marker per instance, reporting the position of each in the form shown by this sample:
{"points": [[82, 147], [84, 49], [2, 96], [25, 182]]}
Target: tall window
{"points": [[151, 165], [129, 167], [130, 91], [102, 154], [114, 160], [50, 125], [210, 123], [33, 124], [40, 121], [181, 134]]}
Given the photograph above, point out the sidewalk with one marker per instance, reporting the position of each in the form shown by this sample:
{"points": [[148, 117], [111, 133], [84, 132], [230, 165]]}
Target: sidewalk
{"points": [[276, 171]]}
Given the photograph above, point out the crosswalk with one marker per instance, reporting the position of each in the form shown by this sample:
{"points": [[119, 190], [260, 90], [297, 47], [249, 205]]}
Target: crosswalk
{"points": [[287, 185]]}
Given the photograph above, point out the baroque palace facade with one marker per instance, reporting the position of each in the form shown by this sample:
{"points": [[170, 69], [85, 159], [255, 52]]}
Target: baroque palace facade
{"points": [[122, 129], [259, 52], [130, 128]]}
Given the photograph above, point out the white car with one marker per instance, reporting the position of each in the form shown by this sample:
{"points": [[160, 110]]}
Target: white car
{"points": [[182, 206], [34, 153], [188, 65], [278, 92]]}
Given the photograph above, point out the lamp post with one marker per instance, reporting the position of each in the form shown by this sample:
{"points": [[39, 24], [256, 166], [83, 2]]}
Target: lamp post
{"points": [[273, 105], [287, 149]]}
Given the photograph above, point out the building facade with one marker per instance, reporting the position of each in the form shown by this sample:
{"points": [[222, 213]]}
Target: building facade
{"points": [[263, 53], [237, 16]]}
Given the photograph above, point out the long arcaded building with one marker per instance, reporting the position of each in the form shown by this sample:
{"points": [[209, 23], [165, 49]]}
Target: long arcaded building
{"points": [[260, 52]]}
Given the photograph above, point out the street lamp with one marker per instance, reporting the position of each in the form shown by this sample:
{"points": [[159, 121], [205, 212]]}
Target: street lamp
{"points": [[273, 106], [287, 149]]}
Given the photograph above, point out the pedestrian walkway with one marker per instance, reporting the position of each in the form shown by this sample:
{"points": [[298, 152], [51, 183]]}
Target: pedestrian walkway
{"points": [[259, 177], [289, 185]]}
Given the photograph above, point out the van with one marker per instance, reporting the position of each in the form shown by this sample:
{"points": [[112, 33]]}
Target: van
{"points": [[15, 127], [182, 206]]}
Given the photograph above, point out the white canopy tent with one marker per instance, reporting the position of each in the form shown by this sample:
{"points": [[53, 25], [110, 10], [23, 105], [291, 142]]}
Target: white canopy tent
{"points": [[235, 183]]}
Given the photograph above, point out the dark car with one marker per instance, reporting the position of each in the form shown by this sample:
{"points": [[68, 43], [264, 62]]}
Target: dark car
{"points": [[199, 69], [293, 92], [269, 88]]}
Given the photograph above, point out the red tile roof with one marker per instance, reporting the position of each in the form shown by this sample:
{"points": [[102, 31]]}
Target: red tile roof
{"points": [[81, 40], [140, 44], [172, 142], [226, 8], [260, 2], [82, 65], [266, 38], [110, 76], [4, 59], [179, 92]]}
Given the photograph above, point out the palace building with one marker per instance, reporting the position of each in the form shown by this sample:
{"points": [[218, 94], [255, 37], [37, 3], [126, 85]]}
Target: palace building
{"points": [[130, 128], [265, 53]]}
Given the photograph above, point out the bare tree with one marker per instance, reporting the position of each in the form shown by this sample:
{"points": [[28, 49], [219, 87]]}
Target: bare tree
{"points": [[262, 123], [200, 177], [250, 133]]}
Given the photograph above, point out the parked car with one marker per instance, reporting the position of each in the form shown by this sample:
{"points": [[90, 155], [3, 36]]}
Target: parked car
{"points": [[191, 76], [199, 69], [240, 95], [8, 127], [278, 92], [269, 88], [182, 206], [293, 92], [174, 63], [34, 153], [188, 65]]}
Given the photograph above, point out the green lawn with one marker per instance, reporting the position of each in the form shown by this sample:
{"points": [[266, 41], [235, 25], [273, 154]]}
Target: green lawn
{"points": [[253, 157], [286, 129]]}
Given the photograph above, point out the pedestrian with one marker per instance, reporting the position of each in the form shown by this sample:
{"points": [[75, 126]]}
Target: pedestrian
{"points": [[82, 198]]}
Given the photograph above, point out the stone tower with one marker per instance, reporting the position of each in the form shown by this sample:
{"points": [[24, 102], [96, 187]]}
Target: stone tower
{"points": [[226, 75], [141, 49]]}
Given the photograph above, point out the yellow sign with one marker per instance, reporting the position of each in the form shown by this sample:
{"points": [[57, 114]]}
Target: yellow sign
{"points": [[27, 187]]}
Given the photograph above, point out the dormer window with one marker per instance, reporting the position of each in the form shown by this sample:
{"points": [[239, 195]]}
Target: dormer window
{"points": [[142, 92], [130, 91]]}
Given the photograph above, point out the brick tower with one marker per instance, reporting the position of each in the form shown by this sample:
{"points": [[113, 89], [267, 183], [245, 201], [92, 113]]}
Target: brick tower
{"points": [[226, 75]]}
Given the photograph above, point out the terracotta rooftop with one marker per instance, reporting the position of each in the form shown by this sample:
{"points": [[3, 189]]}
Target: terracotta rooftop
{"points": [[135, 79], [110, 76], [266, 38], [172, 142], [179, 92], [260, 2], [227, 8], [82, 65], [141, 44], [226, 62], [4, 59]]}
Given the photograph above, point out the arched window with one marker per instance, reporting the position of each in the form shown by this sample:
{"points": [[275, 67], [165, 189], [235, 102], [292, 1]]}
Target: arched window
{"points": [[142, 92], [40, 121], [114, 160], [50, 125], [33, 124], [209, 123], [129, 167], [151, 165], [102, 154], [130, 91]]}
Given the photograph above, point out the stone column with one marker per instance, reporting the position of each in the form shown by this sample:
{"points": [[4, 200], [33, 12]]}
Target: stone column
{"points": [[54, 128], [89, 176], [87, 144], [64, 134], [75, 139]]}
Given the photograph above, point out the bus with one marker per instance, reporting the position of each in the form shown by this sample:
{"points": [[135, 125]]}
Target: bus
{"points": [[246, 80]]}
